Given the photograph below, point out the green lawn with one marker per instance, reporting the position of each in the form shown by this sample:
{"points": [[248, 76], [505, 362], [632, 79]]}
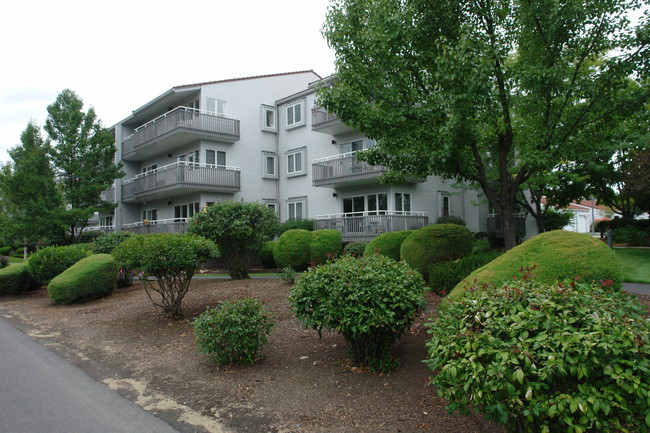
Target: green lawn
{"points": [[635, 263]]}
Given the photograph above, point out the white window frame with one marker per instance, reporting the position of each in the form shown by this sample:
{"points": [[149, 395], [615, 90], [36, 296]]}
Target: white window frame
{"points": [[274, 111], [291, 111], [442, 195], [401, 201], [265, 160], [291, 162], [292, 208], [220, 106], [148, 214]]}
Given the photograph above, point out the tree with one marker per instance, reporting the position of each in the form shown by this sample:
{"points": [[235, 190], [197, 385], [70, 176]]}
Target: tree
{"points": [[638, 179], [485, 92], [83, 156], [30, 196], [239, 229]]}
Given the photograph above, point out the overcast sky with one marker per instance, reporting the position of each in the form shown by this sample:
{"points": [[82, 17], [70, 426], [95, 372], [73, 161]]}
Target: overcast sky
{"points": [[118, 55]]}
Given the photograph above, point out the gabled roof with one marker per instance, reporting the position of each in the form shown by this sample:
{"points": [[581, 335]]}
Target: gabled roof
{"points": [[254, 77]]}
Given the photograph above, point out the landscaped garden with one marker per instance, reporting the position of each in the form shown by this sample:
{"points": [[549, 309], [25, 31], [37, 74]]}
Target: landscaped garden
{"points": [[337, 343]]}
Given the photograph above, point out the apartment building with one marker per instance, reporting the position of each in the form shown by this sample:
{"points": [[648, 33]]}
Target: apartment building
{"points": [[265, 139]]}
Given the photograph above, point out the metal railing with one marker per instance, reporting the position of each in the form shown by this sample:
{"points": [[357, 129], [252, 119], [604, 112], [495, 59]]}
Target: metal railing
{"points": [[321, 118], [170, 225], [103, 229], [343, 168], [108, 195], [183, 174], [364, 226], [182, 119], [495, 225]]}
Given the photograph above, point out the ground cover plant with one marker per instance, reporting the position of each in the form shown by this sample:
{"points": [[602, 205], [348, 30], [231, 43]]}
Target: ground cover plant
{"points": [[556, 255], [49, 262], [172, 259], [90, 278], [371, 301], [635, 264], [544, 357]]}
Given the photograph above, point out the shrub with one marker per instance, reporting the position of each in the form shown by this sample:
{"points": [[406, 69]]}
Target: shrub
{"points": [[325, 245], [388, 244], [266, 254], [557, 219], [558, 255], [107, 242], [436, 243], [171, 258], [239, 229], [88, 236], [293, 224], [19, 253], [288, 275], [16, 279], [5, 251], [545, 357], [355, 249], [451, 219], [480, 246], [632, 235], [4, 261], [371, 301], [292, 250], [444, 276], [90, 278], [49, 262], [233, 332]]}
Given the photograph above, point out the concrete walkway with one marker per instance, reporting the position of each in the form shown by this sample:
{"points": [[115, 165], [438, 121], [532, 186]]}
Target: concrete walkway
{"points": [[643, 289]]}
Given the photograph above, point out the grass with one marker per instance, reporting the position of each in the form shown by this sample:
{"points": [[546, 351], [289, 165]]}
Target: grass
{"points": [[635, 263], [15, 260]]}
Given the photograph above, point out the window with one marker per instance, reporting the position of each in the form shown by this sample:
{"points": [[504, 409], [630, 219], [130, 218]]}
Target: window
{"points": [[191, 157], [294, 114], [217, 106], [444, 205], [106, 221], [377, 204], [402, 202], [295, 162], [185, 211], [295, 210], [215, 158], [193, 104], [270, 162], [352, 146], [273, 206], [269, 115], [150, 168], [150, 215]]}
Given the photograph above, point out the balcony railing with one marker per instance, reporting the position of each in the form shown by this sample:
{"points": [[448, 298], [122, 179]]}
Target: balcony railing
{"points": [[182, 175], [97, 228], [182, 120], [329, 123], [495, 225], [343, 168], [108, 195], [172, 225], [365, 226]]}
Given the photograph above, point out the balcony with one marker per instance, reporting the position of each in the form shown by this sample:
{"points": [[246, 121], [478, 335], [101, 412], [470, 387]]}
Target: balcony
{"points": [[181, 177], [98, 228], [344, 169], [175, 128], [175, 225], [365, 226], [108, 195], [327, 123]]}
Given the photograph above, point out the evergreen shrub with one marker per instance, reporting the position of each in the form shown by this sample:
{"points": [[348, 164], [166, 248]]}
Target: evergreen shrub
{"points": [[481, 246], [444, 276], [451, 219], [266, 255], [16, 278], [293, 224], [49, 262], [4, 261], [292, 250], [355, 248], [632, 235], [370, 300], [545, 357], [325, 245], [388, 244], [90, 278], [233, 332], [5, 251], [107, 242], [436, 243]]}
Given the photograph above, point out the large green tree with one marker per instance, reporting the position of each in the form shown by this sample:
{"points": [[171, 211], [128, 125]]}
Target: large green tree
{"points": [[32, 202], [489, 92], [83, 154]]}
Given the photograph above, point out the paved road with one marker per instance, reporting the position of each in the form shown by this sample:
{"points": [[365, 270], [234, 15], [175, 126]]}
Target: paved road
{"points": [[643, 289], [40, 392]]}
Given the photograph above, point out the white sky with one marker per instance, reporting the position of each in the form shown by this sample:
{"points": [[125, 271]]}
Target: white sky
{"points": [[119, 55]]}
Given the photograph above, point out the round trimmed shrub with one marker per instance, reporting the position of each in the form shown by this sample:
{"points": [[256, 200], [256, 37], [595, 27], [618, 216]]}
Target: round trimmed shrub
{"points": [[49, 262], [388, 244], [266, 255], [451, 219], [17, 278], [444, 276], [4, 261], [233, 332], [325, 245], [90, 278], [293, 224], [541, 357], [556, 255], [370, 300], [436, 243], [355, 248], [292, 250], [481, 246], [107, 242]]}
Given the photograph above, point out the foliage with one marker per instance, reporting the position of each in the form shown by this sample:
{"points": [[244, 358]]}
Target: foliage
{"points": [[83, 156], [239, 229], [4, 261], [451, 219], [30, 197], [107, 242], [90, 278], [292, 249], [371, 301], [632, 235], [355, 248], [266, 254], [288, 275], [557, 219], [5, 251], [545, 357], [436, 243], [16, 279], [491, 93], [233, 332], [89, 236], [388, 244], [637, 180], [47, 263], [618, 223], [293, 224], [171, 258], [481, 246], [325, 245], [557, 255], [444, 276]]}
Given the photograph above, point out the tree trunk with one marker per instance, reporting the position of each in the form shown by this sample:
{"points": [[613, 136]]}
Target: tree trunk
{"points": [[509, 230]]}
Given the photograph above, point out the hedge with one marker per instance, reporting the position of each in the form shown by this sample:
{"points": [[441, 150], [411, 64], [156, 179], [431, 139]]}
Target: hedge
{"points": [[292, 250], [16, 278], [325, 245], [266, 255], [49, 262], [90, 278], [388, 244]]}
